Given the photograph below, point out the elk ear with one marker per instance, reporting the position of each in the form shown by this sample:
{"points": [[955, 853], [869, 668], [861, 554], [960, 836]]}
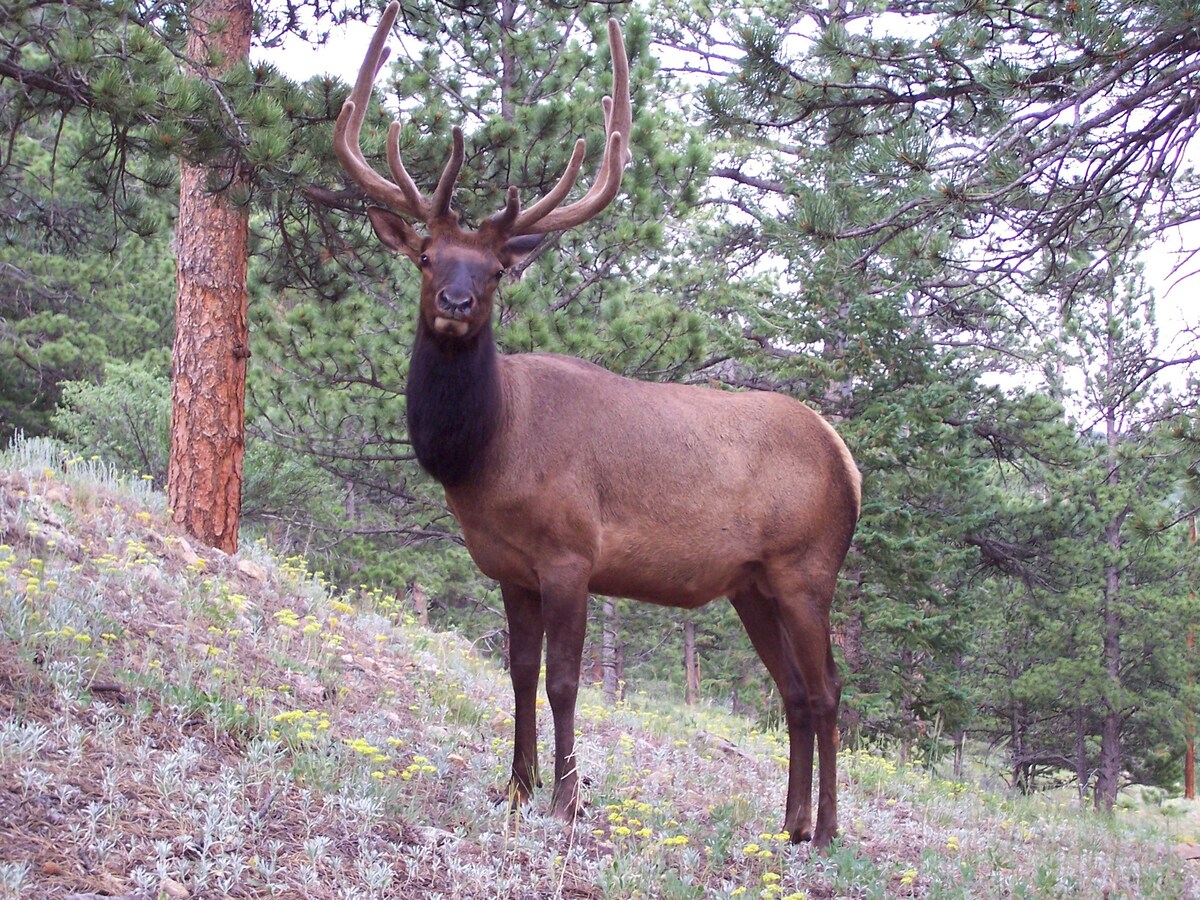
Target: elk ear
{"points": [[395, 233], [518, 248]]}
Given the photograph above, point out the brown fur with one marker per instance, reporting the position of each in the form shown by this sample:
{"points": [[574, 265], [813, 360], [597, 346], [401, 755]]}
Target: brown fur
{"points": [[671, 494]]}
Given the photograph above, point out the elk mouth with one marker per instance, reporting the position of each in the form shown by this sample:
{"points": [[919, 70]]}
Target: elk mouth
{"points": [[451, 327]]}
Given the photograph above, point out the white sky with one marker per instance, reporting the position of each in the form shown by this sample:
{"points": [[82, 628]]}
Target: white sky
{"points": [[340, 56]]}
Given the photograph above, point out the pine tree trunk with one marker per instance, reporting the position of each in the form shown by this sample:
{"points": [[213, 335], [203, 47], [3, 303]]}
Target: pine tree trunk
{"points": [[208, 385], [691, 664], [848, 637], [622, 683], [1016, 743], [595, 664], [1189, 726], [908, 715], [960, 733], [609, 652], [1081, 754], [1109, 769], [420, 602], [508, 60]]}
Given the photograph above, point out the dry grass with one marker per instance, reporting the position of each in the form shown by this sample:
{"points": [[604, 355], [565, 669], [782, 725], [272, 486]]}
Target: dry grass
{"points": [[172, 725]]}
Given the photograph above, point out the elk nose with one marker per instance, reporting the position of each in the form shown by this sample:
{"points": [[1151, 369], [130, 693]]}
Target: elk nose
{"points": [[455, 304]]}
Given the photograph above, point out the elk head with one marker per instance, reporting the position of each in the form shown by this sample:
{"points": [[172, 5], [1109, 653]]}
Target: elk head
{"points": [[460, 268]]}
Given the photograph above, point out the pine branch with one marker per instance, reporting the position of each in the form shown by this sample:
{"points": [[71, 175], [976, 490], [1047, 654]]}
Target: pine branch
{"points": [[762, 184], [66, 85]]}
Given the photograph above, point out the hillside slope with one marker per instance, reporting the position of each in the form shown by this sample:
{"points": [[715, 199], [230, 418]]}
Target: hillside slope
{"points": [[181, 723]]}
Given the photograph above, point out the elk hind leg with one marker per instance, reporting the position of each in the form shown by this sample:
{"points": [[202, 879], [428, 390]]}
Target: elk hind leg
{"points": [[761, 618], [804, 613]]}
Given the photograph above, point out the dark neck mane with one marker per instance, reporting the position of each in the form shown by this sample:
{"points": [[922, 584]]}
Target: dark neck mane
{"points": [[453, 403]]}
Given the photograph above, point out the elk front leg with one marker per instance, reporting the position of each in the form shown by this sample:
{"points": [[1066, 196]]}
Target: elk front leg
{"points": [[523, 609], [564, 609]]}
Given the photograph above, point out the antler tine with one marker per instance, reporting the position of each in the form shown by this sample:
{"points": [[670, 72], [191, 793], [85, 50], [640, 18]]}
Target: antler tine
{"points": [[621, 119], [508, 216], [403, 198], [403, 179], [545, 216], [503, 220], [563, 187], [445, 186], [402, 195]]}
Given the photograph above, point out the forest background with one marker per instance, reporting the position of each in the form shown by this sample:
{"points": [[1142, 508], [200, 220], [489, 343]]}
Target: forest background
{"points": [[926, 220]]}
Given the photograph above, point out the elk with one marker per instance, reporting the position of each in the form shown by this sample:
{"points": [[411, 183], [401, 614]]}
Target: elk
{"points": [[568, 480]]}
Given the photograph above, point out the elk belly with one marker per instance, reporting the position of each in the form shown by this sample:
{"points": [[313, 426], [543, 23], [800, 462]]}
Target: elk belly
{"points": [[684, 574]]}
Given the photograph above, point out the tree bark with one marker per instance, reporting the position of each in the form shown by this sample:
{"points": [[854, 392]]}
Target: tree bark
{"points": [[208, 383], [612, 687], [1189, 760], [1081, 753], [691, 664], [420, 601], [848, 637], [508, 67], [1016, 743], [1108, 771]]}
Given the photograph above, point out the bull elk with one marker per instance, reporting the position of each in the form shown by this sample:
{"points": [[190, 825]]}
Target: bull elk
{"points": [[567, 479]]}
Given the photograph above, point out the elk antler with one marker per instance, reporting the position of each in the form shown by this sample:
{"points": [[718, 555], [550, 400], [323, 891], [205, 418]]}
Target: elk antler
{"points": [[545, 215], [401, 195]]}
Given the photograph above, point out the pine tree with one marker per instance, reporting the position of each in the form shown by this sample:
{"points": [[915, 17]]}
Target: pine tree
{"points": [[1074, 666], [84, 277], [212, 342], [1132, 480], [922, 249], [851, 329], [143, 98]]}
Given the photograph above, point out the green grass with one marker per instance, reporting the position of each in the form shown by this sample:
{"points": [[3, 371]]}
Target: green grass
{"points": [[173, 719]]}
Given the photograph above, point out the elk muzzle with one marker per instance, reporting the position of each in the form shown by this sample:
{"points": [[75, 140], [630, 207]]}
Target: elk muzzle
{"points": [[452, 311], [455, 304]]}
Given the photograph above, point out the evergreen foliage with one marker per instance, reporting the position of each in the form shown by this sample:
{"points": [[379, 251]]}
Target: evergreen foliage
{"points": [[916, 187], [124, 418], [76, 290]]}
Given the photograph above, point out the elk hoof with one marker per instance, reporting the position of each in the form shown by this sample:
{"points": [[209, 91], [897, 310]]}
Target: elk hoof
{"points": [[799, 830], [565, 805], [823, 837], [517, 794], [567, 815]]}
